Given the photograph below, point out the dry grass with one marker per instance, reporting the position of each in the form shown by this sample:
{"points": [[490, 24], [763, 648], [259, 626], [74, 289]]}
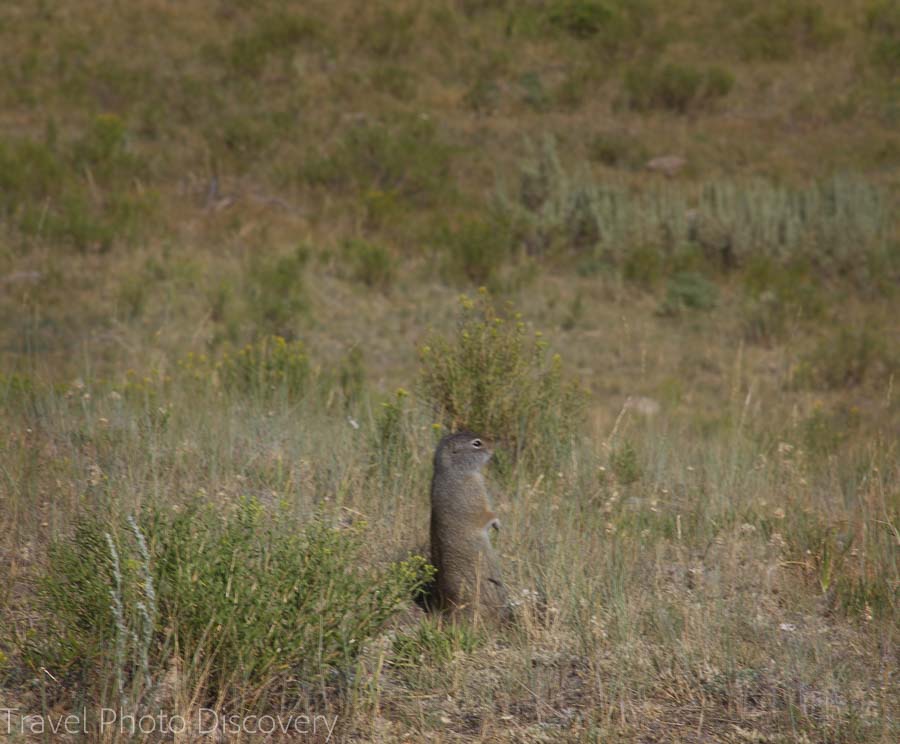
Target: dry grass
{"points": [[710, 551]]}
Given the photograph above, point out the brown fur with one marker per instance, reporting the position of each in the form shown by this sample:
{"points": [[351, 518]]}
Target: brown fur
{"points": [[468, 579]]}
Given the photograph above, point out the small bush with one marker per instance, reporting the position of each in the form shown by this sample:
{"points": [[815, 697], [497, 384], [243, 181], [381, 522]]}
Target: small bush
{"points": [[778, 30], [437, 643], [617, 149], [475, 249], [776, 296], [104, 149], [407, 158], [275, 291], [644, 266], [388, 33], [274, 35], [17, 390], [571, 93], [132, 295], [390, 447], [533, 92], [582, 18], [288, 605], [483, 95], [80, 193], [856, 577], [372, 264], [351, 376], [839, 226], [674, 87], [494, 377], [552, 211], [847, 358], [882, 27], [29, 172], [611, 25], [267, 366], [624, 463], [824, 431], [688, 290], [396, 81]]}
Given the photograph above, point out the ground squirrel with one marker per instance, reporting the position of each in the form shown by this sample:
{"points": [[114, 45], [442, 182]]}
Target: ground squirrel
{"points": [[468, 570]]}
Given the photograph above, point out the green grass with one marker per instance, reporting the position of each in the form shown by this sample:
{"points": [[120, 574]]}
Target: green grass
{"points": [[622, 554], [245, 606], [231, 259]]}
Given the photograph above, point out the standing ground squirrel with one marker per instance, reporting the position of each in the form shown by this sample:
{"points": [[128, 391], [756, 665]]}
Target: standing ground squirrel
{"points": [[468, 570]]}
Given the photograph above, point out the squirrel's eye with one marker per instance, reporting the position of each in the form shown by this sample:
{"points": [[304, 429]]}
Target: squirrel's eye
{"points": [[476, 442]]}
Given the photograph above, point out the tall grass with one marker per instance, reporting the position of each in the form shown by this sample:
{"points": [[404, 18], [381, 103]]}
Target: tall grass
{"points": [[224, 247], [843, 224], [668, 569]]}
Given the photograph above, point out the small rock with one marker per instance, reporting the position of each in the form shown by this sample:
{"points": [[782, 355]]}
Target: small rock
{"points": [[668, 165]]}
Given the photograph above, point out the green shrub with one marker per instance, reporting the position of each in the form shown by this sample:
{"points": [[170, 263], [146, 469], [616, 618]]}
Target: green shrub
{"points": [[494, 376], [780, 29], [611, 25], [75, 222], [882, 27], [275, 291], [397, 81], [533, 92], [104, 149], [29, 172], [571, 93], [582, 18], [75, 597], [474, 249], [81, 193], [391, 445], [776, 295], [406, 157], [674, 87], [435, 643], [643, 265], [270, 365], [275, 35], [624, 463], [483, 95], [847, 358], [688, 290], [388, 33], [856, 577], [718, 83], [132, 295], [617, 149], [288, 605], [824, 431], [243, 136], [371, 263], [17, 390], [552, 211], [837, 226], [351, 376]]}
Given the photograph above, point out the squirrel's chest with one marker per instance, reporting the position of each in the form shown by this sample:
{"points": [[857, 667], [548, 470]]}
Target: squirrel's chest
{"points": [[466, 494]]}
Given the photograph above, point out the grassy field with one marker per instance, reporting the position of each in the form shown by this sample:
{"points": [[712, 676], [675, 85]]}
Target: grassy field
{"points": [[257, 258]]}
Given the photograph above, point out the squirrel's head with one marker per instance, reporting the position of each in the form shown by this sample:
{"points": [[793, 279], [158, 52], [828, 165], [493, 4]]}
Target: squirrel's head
{"points": [[462, 452]]}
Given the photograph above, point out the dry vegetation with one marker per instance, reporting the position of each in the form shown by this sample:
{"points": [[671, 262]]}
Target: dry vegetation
{"points": [[233, 240]]}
